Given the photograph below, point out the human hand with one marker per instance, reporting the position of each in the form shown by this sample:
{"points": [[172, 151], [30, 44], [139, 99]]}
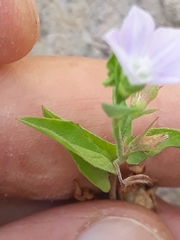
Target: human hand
{"points": [[39, 168]]}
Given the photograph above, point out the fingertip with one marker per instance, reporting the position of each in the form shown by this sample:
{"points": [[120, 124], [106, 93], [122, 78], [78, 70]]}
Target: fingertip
{"points": [[19, 29]]}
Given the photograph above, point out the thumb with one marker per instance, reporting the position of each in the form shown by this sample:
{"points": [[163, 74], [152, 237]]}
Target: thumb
{"points": [[124, 221], [19, 29], [95, 220]]}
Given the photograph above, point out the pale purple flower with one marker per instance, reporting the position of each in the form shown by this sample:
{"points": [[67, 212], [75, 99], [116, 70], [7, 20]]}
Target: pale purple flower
{"points": [[146, 55]]}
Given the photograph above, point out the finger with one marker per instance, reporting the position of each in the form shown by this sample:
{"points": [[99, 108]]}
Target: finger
{"points": [[170, 215], [19, 29], [35, 166], [12, 209], [164, 167], [95, 220], [40, 168]]}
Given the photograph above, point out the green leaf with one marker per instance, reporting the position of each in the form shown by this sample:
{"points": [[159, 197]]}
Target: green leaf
{"points": [[137, 157], [126, 127], [89, 147], [128, 140], [98, 177], [119, 111], [48, 114], [173, 140], [102, 144]]}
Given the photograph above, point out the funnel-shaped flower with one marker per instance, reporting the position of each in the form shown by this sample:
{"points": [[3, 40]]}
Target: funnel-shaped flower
{"points": [[146, 55]]}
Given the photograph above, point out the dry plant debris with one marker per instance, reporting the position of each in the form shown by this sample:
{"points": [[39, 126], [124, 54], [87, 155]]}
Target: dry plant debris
{"points": [[139, 189]]}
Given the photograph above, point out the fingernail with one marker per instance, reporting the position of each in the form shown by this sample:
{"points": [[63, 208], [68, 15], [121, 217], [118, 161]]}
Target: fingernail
{"points": [[118, 228]]}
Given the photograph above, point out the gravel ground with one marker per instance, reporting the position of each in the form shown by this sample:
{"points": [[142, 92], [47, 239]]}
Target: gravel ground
{"points": [[75, 27]]}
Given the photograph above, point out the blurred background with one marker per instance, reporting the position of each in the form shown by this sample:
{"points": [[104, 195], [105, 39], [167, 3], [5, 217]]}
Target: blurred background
{"points": [[75, 28]]}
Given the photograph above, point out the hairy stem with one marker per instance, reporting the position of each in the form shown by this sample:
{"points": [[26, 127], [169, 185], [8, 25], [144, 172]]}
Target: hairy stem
{"points": [[119, 145]]}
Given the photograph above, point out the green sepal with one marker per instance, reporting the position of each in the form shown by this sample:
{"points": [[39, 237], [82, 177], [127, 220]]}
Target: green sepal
{"points": [[142, 98]]}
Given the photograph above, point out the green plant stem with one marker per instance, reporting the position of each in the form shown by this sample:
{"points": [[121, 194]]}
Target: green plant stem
{"points": [[117, 135], [119, 145]]}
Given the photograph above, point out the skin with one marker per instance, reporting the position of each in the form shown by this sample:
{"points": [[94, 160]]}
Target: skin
{"points": [[34, 166]]}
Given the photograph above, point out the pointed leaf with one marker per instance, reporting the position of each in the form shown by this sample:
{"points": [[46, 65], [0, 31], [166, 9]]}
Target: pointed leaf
{"points": [[101, 143], [98, 177], [48, 114], [77, 140], [110, 148]]}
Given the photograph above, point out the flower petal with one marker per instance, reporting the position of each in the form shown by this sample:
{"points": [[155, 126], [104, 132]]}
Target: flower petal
{"points": [[137, 41], [113, 38], [162, 42], [167, 75], [164, 51], [135, 31], [164, 81]]}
